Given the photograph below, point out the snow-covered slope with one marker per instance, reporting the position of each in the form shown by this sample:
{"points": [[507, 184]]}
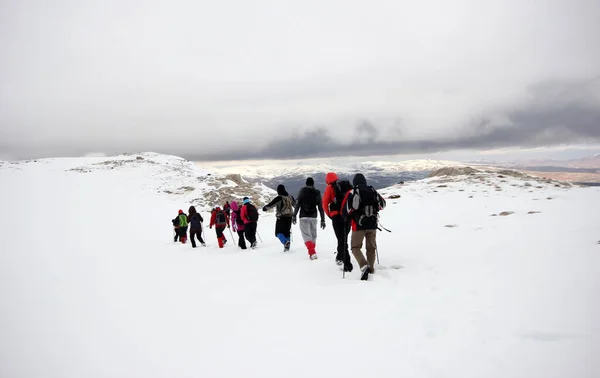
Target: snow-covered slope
{"points": [[149, 172], [92, 285]]}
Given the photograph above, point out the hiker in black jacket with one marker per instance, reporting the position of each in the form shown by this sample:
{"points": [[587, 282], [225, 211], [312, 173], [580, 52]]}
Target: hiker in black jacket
{"points": [[308, 202], [195, 220], [285, 211]]}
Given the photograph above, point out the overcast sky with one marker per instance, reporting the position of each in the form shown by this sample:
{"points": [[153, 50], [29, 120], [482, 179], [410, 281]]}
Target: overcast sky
{"points": [[287, 79]]}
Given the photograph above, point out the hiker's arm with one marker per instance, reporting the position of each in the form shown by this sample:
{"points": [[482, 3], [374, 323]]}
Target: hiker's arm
{"points": [[382, 202], [344, 210], [320, 206], [298, 203], [274, 202], [327, 200]]}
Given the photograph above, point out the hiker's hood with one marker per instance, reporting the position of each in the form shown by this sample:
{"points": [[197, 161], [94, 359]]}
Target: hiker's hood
{"points": [[359, 180], [281, 190], [234, 206], [330, 177]]}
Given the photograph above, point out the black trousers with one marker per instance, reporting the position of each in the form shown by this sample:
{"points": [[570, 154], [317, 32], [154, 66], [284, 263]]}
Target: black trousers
{"points": [[181, 232], [219, 230], [241, 240], [283, 226], [198, 233], [250, 231], [341, 229]]}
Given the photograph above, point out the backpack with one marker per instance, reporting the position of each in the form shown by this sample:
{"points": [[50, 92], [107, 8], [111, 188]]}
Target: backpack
{"points": [[365, 203], [251, 212], [183, 220], [340, 188], [196, 220], [287, 206], [238, 217], [220, 219]]}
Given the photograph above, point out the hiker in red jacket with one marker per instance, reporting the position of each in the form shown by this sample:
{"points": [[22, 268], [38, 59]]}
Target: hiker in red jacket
{"points": [[220, 220]]}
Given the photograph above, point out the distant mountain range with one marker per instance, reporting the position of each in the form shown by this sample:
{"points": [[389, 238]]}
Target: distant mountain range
{"points": [[293, 174], [382, 174]]}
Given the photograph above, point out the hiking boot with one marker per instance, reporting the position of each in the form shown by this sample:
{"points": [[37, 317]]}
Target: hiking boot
{"points": [[203, 244], [224, 241], [286, 247], [313, 256], [365, 272], [253, 244]]}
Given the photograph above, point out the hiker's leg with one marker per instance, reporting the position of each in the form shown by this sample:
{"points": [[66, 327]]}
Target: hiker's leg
{"points": [[371, 236], [356, 244]]}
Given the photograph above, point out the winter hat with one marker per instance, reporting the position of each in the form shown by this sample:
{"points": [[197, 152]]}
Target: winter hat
{"points": [[246, 200], [359, 179], [180, 211], [310, 181], [281, 190]]}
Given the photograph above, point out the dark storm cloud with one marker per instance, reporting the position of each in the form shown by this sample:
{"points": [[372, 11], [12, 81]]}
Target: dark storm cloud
{"points": [[557, 113]]}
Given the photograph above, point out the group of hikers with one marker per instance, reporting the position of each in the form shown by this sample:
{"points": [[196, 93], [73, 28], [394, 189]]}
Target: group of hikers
{"points": [[350, 207]]}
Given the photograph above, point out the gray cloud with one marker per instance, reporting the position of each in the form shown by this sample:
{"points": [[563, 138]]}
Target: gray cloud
{"points": [[280, 79]]}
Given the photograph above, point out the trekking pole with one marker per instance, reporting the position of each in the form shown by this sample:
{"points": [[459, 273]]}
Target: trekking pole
{"points": [[377, 254], [380, 225], [231, 233], [259, 236], [346, 257]]}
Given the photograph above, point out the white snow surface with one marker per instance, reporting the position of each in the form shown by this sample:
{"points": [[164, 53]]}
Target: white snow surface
{"points": [[92, 285]]}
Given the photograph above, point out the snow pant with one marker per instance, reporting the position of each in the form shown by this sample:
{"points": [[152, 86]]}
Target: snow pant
{"points": [[356, 242], [241, 240], [182, 232], [250, 231], [283, 228], [341, 229], [220, 237], [308, 229], [196, 232]]}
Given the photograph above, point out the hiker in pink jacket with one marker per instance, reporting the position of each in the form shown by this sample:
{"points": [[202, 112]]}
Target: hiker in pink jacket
{"points": [[238, 224]]}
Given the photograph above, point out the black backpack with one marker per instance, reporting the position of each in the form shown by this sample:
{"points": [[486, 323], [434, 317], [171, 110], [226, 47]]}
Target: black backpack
{"points": [[220, 219], [251, 212], [340, 188], [365, 203]]}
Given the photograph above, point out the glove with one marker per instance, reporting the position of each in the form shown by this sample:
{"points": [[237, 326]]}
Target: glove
{"points": [[294, 220], [227, 226], [210, 226], [264, 208], [323, 224]]}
